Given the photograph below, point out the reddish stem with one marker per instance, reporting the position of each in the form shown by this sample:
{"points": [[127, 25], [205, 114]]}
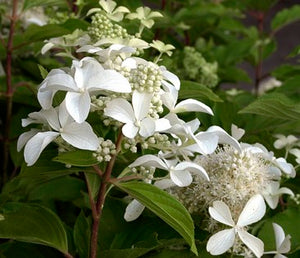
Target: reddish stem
{"points": [[101, 197]]}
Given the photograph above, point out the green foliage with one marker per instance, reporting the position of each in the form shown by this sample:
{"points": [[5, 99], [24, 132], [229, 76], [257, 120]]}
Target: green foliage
{"points": [[285, 17], [34, 3], [274, 105], [164, 206], [33, 223], [190, 89], [79, 158]]}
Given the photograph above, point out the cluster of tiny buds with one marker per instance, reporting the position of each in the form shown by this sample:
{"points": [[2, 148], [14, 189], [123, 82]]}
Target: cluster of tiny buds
{"points": [[296, 198], [105, 150], [99, 103], [102, 27], [130, 144], [156, 106], [145, 172], [146, 78], [158, 140]]}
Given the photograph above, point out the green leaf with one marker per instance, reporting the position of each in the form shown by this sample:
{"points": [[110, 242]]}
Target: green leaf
{"points": [[82, 234], [285, 17], [274, 105], [43, 71], [33, 3], [164, 206], [79, 158], [33, 223], [190, 89], [128, 253]]}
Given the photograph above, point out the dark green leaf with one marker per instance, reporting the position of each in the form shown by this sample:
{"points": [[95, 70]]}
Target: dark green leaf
{"points": [[128, 253], [285, 17], [34, 224], [164, 206], [274, 105], [80, 158], [190, 89], [82, 234]]}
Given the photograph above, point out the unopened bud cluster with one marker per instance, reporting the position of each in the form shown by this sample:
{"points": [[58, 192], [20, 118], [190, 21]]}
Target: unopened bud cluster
{"points": [[146, 78], [102, 27], [160, 141], [144, 172], [105, 150]]}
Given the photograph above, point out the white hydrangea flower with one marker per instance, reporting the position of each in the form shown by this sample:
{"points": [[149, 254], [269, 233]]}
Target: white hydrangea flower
{"points": [[79, 135], [253, 211], [180, 172], [273, 192], [283, 242], [89, 78], [285, 141], [113, 13], [134, 115]]}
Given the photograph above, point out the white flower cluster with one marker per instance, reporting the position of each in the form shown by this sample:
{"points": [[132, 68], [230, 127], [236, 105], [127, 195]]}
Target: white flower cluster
{"points": [[239, 182], [133, 93]]}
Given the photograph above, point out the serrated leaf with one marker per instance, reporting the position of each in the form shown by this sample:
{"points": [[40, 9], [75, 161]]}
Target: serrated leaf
{"points": [[190, 89], [274, 105], [164, 206], [79, 158], [285, 17], [33, 223]]}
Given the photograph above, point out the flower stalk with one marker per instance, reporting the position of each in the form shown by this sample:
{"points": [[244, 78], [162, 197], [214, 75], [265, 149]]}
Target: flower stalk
{"points": [[97, 213]]}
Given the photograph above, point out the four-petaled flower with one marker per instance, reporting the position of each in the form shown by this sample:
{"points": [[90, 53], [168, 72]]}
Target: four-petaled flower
{"points": [[134, 116], [79, 135], [220, 242], [180, 173], [88, 77]]}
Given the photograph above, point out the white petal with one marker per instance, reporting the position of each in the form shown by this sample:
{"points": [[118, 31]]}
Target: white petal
{"points": [[59, 81], [207, 142], [24, 138], [237, 133], [133, 210], [141, 104], [63, 115], [285, 246], [78, 105], [80, 136], [192, 105], [130, 130], [224, 137], [287, 168], [169, 98], [150, 161], [253, 211], [220, 242], [272, 200], [193, 168], [181, 177], [52, 118], [171, 77], [220, 212], [285, 190], [109, 80], [280, 256], [164, 183], [36, 145], [121, 110], [162, 124], [45, 98], [147, 127], [279, 235], [252, 242]]}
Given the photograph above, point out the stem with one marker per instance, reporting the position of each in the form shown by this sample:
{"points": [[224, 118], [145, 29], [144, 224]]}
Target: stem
{"points": [[258, 69], [101, 197], [9, 91], [68, 255]]}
